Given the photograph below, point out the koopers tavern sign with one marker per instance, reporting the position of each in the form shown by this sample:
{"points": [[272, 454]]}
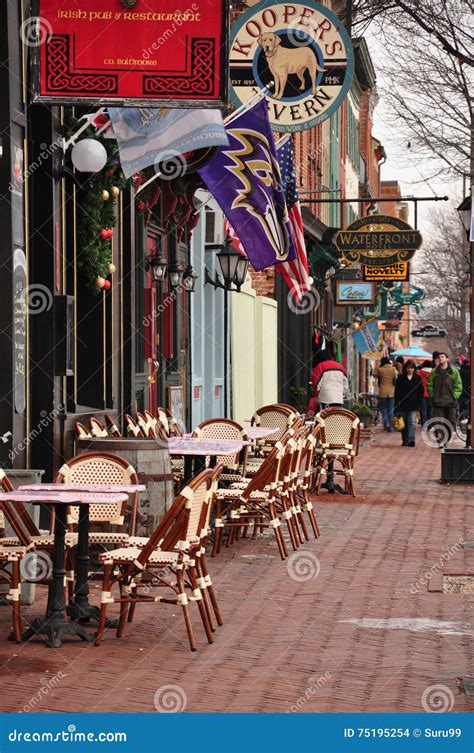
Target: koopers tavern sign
{"points": [[150, 54], [299, 54], [378, 240]]}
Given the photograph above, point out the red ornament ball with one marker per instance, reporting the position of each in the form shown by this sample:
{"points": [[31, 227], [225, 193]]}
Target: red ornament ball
{"points": [[107, 285]]}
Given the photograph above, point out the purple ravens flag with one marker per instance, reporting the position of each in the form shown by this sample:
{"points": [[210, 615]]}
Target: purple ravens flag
{"points": [[244, 178]]}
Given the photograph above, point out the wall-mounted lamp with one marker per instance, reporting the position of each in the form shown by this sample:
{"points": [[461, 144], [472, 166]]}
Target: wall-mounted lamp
{"points": [[189, 279], [158, 266]]}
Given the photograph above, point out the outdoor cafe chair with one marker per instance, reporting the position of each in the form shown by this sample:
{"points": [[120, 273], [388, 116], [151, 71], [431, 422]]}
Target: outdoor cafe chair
{"points": [[112, 428], [97, 429], [227, 430], [171, 424], [81, 431], [202, 571], [253, 505], [168, 557], [132, 429], [101, 468], [283, 417], [302, 479], [27, 539], [339, 440]]}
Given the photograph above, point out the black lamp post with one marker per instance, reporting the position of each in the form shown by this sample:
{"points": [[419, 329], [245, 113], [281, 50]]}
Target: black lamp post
{"points": [[464, 211], [234, 268]]}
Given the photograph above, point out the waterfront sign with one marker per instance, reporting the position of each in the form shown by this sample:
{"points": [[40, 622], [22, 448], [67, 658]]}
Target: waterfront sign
{"points": [[150, 55], [400, 272], [354, 293], [299, 54], [378, 240]]}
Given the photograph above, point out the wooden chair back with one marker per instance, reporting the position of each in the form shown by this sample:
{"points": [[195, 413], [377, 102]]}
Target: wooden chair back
{"points": [[112, 428], [17, 515], [133, 430], [100, 468], [81, 431], [186, 520], [97, 429], [227, 430], [339, 429]]}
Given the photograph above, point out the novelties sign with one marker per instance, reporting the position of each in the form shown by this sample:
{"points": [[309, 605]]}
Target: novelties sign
{"points": [[299, 54], [156, 52]]}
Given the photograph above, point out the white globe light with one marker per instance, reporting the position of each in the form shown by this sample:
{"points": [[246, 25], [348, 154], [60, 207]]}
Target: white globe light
{"points": [[88, 156]]}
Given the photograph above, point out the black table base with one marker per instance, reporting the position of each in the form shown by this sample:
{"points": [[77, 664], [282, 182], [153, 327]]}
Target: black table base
{"points": [[84, 613], [55, 629]]}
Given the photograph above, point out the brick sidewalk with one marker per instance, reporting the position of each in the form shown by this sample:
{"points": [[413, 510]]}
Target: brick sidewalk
{"points": [[363, 635]]}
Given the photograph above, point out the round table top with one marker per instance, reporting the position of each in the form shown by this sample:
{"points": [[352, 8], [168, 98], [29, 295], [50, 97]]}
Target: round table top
{"points": [[100, 488], [62, 498]]}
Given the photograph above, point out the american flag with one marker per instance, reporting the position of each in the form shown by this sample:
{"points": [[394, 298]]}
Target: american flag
{"points": [[295, 272]]}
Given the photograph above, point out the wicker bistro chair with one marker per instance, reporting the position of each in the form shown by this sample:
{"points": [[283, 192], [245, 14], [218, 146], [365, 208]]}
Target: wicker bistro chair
{"points": [[202, 571], [101, 468], [97, 429], [112, 428], [171, 550], [254, 503], [339, 441], [270, 415], [81, 431], [302, 480], [225, 429], [132, 429], [13, 549]]}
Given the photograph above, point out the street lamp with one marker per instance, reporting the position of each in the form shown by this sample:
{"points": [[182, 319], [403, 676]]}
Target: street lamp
{"points": [[234, 266], [158, 266], [464, 211], [189, 279]]}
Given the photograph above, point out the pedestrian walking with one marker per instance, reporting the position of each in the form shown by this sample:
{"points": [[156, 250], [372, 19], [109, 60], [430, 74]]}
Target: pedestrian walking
{"points": [[426, 404], [445, 388], [330, 383], [408, 397], [399, 364], [386, 375]]}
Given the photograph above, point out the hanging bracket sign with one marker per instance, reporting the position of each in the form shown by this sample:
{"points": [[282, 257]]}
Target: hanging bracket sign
{"points": [[299, 54], [378, 241], [149, 54]]}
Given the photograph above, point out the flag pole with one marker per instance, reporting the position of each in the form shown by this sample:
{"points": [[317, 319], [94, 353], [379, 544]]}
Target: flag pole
{"points": [[243, 108]]}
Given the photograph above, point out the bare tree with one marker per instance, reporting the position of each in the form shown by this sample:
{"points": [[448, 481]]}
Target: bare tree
{"points": [[427, 76], [443, 270]]}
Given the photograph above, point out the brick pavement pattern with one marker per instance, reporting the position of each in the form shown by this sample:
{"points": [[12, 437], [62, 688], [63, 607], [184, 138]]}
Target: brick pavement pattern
{"points": [[345, 625]]}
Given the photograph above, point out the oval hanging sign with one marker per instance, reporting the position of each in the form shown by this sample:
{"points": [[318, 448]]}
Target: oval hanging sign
{"points": [[378, 240], [298, 53]]}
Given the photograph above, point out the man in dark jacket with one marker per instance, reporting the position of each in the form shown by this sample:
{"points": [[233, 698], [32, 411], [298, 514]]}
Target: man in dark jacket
{"points": [[445, 387], [408, 396]]}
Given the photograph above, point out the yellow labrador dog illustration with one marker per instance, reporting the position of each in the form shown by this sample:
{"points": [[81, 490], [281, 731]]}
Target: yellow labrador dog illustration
{"points": [[283, 60]]}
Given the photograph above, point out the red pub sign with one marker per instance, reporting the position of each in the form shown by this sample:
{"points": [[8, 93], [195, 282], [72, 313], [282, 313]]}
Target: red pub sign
{"points": [[154, 53]]}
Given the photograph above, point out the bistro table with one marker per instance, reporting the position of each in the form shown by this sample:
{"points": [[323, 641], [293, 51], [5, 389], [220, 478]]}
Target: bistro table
{"points": [[55, 625], [260, 432], [195, 450], [80, 609]]}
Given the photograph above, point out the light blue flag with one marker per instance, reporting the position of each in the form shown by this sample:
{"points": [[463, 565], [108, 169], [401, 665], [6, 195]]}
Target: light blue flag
{"points": [[148, 136], [367, 339]]}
